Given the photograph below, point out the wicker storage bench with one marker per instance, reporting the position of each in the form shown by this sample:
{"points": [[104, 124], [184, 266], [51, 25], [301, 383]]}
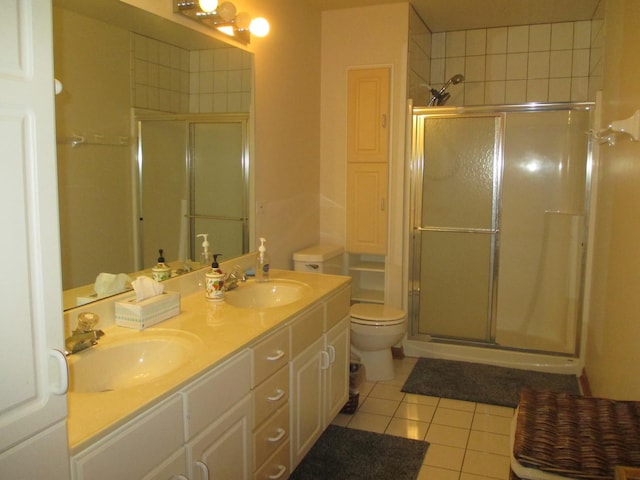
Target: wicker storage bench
{"points": [[559, 436]]}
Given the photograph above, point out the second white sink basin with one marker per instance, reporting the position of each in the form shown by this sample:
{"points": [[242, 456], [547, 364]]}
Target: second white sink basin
{"points": [[274, 293], [130, 360]]}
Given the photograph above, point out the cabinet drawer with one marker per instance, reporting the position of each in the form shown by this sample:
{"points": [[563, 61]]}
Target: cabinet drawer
{"points": [[215, 393], [269, 437], [306, 329], [338, 307], [270, 355], [277, 467], [271, 394]]}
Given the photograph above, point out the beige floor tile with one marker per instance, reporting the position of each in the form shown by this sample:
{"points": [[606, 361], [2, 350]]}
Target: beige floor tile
{"points": [[421, 399], [453, 418], [415, 411], [489, 442], [495, 410], [491, 423], [442, 456], [365, 388], [342, 419], [434, 473], [471, 476], [486, 464], [454, 404], [401, 427], [445, 435], [379, 406], [387, 392], [369, 422]]}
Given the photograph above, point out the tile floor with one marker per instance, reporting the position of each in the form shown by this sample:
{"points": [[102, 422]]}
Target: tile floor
{"points": [[468, 441]]}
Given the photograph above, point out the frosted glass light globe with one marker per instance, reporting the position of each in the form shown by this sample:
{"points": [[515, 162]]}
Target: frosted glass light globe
{"points": [[208, 5], [243, 20], [259, 27], [227, 11]]}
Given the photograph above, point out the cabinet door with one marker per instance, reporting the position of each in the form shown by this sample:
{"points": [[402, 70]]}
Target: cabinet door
{"points": [[367, 208], [368, 115], [306, 399], [224, 449], [32, 369], [338, 347]]}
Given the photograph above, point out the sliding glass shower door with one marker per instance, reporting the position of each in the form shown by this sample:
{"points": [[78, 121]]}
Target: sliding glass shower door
{"points": [[499, 211]]}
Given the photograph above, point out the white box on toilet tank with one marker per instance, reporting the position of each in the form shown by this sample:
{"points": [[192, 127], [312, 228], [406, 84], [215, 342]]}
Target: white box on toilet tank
{"points": [[320, 259]]}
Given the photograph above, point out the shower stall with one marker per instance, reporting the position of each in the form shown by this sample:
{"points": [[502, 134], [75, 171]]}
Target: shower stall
{"points": [[499, 204]]}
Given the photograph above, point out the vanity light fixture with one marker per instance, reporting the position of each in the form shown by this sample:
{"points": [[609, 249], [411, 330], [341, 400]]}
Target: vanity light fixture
{"points": [[223, 17]]}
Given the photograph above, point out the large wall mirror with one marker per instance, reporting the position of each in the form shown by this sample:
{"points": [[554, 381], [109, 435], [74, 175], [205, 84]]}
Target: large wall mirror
{"points": [[153, 144]]}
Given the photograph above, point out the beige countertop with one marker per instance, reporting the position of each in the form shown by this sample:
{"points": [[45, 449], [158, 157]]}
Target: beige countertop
{"points": [[222, 330]]}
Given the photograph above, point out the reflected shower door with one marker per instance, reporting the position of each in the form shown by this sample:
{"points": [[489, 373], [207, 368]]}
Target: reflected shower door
{"points": [[456, 226]]}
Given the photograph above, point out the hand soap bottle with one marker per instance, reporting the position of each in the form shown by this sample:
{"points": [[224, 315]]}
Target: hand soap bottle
{"points": [[262, 263], [214, 282], [205, 256], [161, 271]]}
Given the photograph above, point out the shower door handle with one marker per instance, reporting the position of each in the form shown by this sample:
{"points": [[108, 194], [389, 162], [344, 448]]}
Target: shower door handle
{"points": [[486, 231]]}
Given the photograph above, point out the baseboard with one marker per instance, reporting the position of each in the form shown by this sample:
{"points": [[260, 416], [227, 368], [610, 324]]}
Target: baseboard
{"points": [[584, 384]]}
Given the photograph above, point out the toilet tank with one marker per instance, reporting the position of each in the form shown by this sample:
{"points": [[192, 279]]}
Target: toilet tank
{"points": [[319, 259]]}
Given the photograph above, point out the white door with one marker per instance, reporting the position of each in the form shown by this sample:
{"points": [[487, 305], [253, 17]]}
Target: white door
{"points": [[33, 375]]}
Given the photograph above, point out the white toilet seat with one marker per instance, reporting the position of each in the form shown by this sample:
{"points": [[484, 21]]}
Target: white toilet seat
{"points": [[376, 315]]}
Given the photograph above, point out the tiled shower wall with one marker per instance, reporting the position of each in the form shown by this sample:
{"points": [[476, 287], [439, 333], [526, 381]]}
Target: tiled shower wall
{"points": [[170, 79]]}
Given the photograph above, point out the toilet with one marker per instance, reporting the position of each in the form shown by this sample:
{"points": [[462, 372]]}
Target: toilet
{"points": [[375, 329]]}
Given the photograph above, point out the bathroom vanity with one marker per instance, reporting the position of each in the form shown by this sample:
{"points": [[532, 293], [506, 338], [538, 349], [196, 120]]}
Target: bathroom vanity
{"points": [[240, 391]]}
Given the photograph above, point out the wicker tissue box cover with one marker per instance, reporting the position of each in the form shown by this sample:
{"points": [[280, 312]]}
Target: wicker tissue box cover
{"points": [[575, 436]]}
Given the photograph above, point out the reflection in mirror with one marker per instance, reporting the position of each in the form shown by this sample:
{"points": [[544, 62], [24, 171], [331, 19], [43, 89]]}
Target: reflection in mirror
{"points": [[124, 70]]}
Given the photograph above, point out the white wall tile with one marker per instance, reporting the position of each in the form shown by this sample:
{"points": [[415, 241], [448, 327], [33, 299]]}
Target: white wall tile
{"points": [[516, 91], [152, 74], [539, 37], [537, 90], [206, 82], [494, 93], [152, 50], [219, 103], [560, 63], [220, 83], [474, 93], [141, 96], [559, 89], [562, 36], [205, 102], [582, 34], [437, 71], [164, 54], [438, 45], [476, 42], [194, 61], [497, 40], [517, 66], [538, 65], [579, 89], [164, 77], [455, 44], [496, 67], [140, 71], [453, 66], [580, 63], [518, 39], [474, 70], [206, 61], [140, 47]]}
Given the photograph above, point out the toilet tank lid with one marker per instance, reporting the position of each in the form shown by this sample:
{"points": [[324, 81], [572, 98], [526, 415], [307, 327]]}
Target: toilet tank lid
{"points": [[318, 253], [375, 311]]}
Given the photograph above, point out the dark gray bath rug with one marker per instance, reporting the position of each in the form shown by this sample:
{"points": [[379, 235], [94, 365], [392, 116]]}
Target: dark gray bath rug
{"points": [[348, 454], [482, 383]]}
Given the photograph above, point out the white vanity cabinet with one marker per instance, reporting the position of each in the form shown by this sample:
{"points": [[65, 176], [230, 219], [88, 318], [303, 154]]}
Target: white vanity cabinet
{"points": [[138, 449], [218, 422], [319, 371]]}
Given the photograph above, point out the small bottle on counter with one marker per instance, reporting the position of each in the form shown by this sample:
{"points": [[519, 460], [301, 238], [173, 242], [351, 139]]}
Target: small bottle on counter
{"points": [[161, 271], [262, 263], [214, 281]]}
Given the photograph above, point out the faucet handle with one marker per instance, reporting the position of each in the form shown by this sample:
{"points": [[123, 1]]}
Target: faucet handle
{"points": [[87, 321]]}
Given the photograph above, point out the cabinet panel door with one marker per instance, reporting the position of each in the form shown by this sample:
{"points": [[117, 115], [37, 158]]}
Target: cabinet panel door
{"points": [[337, 375], [367, 208], [225, 449], [368, 115], [306, 400]]}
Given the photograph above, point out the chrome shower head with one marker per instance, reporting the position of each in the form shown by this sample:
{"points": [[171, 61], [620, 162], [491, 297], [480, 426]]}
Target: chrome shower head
{"points": [[439, 97]]}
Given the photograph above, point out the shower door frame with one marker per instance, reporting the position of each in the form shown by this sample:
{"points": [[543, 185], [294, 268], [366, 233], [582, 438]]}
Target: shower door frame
{"points": [[416, 171]]}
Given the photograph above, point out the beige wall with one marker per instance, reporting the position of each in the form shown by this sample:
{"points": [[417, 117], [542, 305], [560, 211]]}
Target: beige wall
{"points": [[371, 43], [612, 353]]}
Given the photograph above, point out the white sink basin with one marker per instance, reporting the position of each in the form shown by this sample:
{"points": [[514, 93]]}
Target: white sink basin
{"points": [[127, 361], [274, 293]]}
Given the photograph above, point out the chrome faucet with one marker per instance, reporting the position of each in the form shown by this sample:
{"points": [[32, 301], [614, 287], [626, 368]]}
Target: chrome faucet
{"points": [[84, 336], [233, 277]]}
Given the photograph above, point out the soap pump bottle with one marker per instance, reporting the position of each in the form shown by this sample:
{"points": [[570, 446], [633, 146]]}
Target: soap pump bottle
{"points": [[262, 263], [205, 256], [161, 271], [214, 281]]}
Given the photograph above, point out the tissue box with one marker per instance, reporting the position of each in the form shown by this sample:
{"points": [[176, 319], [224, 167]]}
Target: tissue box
{"points": [[148, 312]]}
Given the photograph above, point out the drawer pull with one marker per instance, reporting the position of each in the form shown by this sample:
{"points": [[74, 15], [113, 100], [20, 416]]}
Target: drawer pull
{"points": [[203, 469], [281, 433], [279, 394], [332, 353], [281, 471], [278, 355], [324, 360]]}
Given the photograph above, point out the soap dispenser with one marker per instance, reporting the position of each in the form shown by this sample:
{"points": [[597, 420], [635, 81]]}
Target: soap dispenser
{"points": [[205, 256], [161, 271], [262, 263], [214, 281]]}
